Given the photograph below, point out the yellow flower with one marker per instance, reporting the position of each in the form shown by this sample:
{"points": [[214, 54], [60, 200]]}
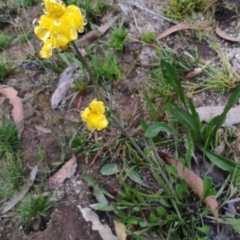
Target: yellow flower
{"points": [[58, 26], [94, 116]]}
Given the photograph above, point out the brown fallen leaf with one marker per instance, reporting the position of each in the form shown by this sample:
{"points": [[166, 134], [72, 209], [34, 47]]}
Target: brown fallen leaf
{"points": [[194, 73], [43, 129], [95, 34], [220, 148], [64, 83], [17, 110], [66, 171], [19, 196], [120, 230], [225, 36], [193, 181], [182, 26]]}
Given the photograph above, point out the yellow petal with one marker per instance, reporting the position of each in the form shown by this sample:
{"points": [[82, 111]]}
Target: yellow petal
{"points": [[84, 114], [96, 121], [54, 8], [46, 51], [97, 107], [102, 123]]}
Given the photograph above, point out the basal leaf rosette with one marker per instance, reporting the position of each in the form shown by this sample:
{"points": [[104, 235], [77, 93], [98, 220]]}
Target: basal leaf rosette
{"points": [[58, 25], [94, 116]]}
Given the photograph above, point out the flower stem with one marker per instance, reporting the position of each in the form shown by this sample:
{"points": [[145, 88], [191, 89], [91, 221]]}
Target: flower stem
{"points": [[100, 95]]}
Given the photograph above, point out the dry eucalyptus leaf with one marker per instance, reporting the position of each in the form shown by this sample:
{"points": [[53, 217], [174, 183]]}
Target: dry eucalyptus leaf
{"points": [[17, 110], [220, 148], [209, 112], [43, 129], [194, 73], [182, 26], [19, 196], [104, 230], [120, 230], [223, 35], [65, 82], [93, 35], [194, 182], [66, 171]]}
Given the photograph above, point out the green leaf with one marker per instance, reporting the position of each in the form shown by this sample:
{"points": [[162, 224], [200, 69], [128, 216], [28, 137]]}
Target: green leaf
{"points": [[186, 119], [221, 162], [150, 106], [170, 74], [207, 188], [154, 129], [209, 131], [143, 123], [91, 181], [99, 195], [235, 223], [153, 218], [143, 223], [189, 145], [135, 176], [204, 229], [196, 118], [101, 207], [132, 220], [231, 102], [109, 169], [161, 211], [172, 170], [181, 188]]}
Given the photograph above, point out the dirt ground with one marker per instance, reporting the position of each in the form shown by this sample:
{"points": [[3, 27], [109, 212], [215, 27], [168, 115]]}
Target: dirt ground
{"points": [[37, 85]]}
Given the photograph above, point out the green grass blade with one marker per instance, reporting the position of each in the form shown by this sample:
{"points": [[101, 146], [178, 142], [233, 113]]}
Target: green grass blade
{"points": [[150, 106], [170, 74], [221, 162], [186, 119], [209, 131]]}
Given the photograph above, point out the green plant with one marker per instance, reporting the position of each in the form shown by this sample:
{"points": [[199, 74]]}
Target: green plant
{"points": [[4, 41], [94, 8], [33, 206], [23, 3], [144, 210], [8, 139], [148, 37], [80, 145], [3, 70], [24, 37], [79, 85], [118, 37], [202, 136], [218, 79], [106, 68], [12, 178], [178, 9]]}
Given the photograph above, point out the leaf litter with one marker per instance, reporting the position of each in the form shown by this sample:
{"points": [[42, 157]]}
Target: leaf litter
{"points": [[93, 35], [17, 110], [66, 171], [65, 82], [182, 26]]}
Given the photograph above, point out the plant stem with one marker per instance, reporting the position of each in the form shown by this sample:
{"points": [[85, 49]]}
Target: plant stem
{"points": [[100, 95]]}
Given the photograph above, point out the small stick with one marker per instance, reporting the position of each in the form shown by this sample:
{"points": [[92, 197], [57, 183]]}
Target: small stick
{"points": [[151, 12]]}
